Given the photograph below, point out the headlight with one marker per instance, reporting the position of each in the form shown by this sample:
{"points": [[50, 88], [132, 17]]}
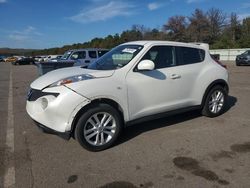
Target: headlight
{"points": [[72, 79]]}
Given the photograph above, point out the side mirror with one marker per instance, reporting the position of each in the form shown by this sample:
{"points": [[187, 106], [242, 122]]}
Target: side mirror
{"points": [[146, 65]]}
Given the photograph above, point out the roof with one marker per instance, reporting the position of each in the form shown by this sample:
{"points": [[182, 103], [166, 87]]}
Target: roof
{"points": [[153, 42], [87, 49]]}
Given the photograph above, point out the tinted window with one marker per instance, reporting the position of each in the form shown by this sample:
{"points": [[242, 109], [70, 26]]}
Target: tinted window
{"points": [[162, 56], [92, 54], [102, 52], [187, 55], [78, 55], [246, 53]]}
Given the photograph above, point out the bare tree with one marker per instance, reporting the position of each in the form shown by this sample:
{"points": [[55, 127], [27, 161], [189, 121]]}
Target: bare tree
{"points": [[217, 21], [176, 27], [234, 27], [199, 27]]}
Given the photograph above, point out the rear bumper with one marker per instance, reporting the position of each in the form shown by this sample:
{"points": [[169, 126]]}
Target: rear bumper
{"points": [[44, 129]]}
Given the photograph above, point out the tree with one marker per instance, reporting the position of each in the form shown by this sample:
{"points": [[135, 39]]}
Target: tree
{"points": [[155, 34], [198, 29], [176, 28], [245, 33], [234, 27], [131, 35], [217, 20]]}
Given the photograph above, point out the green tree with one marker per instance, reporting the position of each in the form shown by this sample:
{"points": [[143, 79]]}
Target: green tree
{"points": [[244, 41]]}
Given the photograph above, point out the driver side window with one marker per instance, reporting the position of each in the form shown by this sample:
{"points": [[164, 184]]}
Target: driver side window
{"points": [[162, 56]]}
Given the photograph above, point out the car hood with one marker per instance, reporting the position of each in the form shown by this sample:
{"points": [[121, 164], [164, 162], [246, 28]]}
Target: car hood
{"points": [[56, 75]]}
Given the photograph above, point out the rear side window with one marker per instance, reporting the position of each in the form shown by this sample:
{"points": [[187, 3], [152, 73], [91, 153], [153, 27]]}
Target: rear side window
{"points": [[186, 55], [162, 56], [92, 54]]}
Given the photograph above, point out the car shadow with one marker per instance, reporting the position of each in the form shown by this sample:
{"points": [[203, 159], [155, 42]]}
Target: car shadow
{"points": [[231, 101], [135, 130]]}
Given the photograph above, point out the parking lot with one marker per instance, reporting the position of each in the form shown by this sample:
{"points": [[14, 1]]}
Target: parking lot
{"points": [[185, 150]]}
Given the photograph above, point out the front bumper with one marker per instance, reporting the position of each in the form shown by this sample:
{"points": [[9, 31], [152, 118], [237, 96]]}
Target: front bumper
{"points": [[43, 128], [55, 112], [243, 61]]}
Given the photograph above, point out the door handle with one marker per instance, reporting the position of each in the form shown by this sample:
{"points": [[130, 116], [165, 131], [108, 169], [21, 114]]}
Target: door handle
{"points": [[175, 76], [87, 61]]}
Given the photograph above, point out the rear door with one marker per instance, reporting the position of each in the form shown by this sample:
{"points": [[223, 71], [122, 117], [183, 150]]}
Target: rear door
{"points": [[190, 63]]}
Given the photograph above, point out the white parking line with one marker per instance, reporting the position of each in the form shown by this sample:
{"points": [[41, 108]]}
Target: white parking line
{"points": [[9, 177]]}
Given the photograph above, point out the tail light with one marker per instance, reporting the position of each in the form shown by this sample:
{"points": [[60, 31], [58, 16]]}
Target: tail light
{"points": [[221, 64], [218, 62]]}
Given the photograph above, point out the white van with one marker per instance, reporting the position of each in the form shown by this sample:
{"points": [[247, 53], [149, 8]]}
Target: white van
{"points": [[83, 57]]}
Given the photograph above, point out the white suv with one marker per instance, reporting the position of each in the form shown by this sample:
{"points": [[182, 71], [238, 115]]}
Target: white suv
{"points": [[134, 82]]}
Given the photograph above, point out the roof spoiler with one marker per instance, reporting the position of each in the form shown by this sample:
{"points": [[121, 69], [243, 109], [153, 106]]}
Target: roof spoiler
{"points": [[204, 45]]}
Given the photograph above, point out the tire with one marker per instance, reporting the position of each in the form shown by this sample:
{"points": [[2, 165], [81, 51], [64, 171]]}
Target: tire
{"points": [[95, 136], [215, 102]]}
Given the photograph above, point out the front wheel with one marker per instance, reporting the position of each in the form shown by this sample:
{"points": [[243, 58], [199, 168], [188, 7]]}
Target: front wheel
{"points": [[215, 102], [99, 127]]}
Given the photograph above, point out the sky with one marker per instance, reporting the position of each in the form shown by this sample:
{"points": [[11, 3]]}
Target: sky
{"points": [[49, 23]]}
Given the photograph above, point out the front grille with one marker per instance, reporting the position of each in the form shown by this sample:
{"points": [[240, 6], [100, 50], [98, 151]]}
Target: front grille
{"points": [[34, 94]]}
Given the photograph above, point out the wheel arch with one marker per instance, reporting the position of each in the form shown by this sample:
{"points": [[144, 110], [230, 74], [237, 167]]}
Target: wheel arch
{"points": [[219, 82], [94, 102]]}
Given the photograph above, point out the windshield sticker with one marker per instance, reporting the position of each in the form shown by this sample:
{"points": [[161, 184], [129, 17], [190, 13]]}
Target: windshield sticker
{"points": [[129, 50]]}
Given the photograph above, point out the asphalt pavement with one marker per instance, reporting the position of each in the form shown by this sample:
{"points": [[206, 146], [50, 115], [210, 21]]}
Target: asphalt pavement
{"points": [[185, 150]]}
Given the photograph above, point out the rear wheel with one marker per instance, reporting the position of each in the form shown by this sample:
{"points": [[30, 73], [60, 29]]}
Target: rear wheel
{"points": [[99, 127], [215, 102]]}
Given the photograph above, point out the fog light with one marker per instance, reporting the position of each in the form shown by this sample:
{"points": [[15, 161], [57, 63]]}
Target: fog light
{"points": [[44, 103]]}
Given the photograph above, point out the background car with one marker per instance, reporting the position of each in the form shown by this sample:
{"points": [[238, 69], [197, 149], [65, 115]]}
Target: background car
{"points": [[24, 61], [11, 59], [50, 57], [243, 59], [56, 59], [40, 58], [83, 57], [1, 59]]}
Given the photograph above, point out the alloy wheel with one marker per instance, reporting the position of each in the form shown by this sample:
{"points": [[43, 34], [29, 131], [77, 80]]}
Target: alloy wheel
{"points": [[100, 128], [216, 101]]}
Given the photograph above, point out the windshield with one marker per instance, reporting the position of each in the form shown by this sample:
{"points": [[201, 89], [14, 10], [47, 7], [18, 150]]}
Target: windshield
{"points": [[116, 58], [66, 55]]}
